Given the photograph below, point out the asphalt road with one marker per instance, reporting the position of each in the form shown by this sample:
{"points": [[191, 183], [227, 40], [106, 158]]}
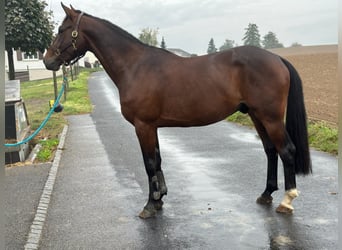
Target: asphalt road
{"points": [[23, 188], [214, 175]]}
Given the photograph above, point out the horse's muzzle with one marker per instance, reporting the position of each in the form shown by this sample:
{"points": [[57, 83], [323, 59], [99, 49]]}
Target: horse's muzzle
{"points": [[51, 64]]}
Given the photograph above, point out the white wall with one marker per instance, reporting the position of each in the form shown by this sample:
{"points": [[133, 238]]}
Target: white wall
{"points": [[24, 64], [37, 68]]}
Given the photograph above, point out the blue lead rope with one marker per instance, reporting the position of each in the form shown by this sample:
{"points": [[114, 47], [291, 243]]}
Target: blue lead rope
{"points": [[43, 123]]}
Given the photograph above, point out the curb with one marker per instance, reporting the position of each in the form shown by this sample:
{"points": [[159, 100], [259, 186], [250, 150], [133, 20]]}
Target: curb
{"points": [[36, 228], [32, 156]]}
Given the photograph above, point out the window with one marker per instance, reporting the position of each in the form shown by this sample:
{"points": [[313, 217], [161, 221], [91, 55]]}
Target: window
{"points": [[30, 56], [23, 56]]}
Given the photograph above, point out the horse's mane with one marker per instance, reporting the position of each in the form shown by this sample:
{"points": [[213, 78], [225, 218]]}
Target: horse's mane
{"points": [[116, 28], [119, 30]]}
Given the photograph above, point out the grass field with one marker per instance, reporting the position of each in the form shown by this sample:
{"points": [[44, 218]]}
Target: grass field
{"points": [[37, 95]]}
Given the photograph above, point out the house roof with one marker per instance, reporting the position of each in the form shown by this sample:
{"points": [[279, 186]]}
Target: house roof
{"points": [[179, 52]]}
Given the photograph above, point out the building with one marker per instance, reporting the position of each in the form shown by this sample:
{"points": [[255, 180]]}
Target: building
{"points": [[31, 67], [180, 52]]}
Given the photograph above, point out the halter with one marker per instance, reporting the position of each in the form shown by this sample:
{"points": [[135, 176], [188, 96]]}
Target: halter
{"points": [[74, 35]]}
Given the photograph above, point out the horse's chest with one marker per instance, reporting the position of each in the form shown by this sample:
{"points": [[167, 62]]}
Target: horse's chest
{"points": [[127, 109], [139, 108]]}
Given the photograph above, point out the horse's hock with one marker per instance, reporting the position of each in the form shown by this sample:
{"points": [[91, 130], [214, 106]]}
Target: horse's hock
{"points": [[17, 126]]}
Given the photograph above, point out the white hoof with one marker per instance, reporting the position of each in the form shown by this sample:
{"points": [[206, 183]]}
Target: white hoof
{"points": [[288, 198]]}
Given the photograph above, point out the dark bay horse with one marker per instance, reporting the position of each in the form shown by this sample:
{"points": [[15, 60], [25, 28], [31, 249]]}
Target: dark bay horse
{"points": [[159, 89]]}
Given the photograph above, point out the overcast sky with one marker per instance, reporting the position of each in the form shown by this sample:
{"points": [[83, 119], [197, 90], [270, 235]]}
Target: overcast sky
{"points": [[189, 24]]}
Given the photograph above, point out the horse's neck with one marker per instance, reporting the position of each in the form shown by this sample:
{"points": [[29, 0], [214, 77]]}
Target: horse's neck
{"points": [[116, 52]]}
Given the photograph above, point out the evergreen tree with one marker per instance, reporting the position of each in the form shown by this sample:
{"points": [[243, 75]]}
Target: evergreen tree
{"points": [[228, 44], [211, 48], [296, 44], [163, 44], [270, 41], [252, 36]]}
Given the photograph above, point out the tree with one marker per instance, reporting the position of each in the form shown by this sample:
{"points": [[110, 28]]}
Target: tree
{"points": [[270, 41], [296, 44], [228, 44], [211, 48], [252, 36], [28, 27], [163, 44], [149, 36]]}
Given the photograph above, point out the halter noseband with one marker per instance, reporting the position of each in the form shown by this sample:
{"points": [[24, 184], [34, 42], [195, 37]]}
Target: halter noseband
{"points": [[74, 35]]}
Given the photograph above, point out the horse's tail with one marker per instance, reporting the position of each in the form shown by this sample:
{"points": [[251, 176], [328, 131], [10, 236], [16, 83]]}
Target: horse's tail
{"points": [[296, 121]]}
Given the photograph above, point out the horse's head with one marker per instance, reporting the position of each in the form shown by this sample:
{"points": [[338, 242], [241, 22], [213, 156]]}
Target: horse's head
{"points": [[69, 45]]}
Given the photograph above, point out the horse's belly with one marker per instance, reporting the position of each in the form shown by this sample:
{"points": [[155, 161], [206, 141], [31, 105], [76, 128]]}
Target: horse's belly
{"points": [[195, 115]]}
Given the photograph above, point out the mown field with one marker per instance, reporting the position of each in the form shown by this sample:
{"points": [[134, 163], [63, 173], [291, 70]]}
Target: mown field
{"points": [[317, 66]]}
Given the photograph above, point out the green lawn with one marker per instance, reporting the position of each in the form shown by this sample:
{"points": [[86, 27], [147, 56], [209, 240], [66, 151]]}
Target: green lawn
{"points": [[37, 94], [322, 136]]}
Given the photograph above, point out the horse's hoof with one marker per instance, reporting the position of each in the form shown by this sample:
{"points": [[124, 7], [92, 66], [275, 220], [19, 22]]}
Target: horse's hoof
{"points": [[265, 199], [145, 214], [284, 209]]}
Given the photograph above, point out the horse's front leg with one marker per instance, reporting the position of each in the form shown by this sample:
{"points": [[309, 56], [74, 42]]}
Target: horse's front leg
{"points": [[148, 140], [160, 174]]}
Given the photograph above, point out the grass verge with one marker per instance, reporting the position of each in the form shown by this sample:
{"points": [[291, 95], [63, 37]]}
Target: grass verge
{"points": [[322, 136], [37, 95]]}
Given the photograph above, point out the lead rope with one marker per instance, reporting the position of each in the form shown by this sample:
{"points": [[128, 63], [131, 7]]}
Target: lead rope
{"points": [[45, 120]]}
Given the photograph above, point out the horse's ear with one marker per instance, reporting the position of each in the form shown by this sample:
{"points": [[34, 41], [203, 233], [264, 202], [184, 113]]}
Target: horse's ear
{"points": [[67, 11], [70, 12], [72, 7]]}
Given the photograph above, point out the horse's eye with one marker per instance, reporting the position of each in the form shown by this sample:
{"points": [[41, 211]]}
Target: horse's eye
{"points": [[63, 29]]}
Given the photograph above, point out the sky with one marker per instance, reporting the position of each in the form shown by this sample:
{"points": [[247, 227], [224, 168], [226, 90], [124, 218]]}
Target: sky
{"points": [[190, 24]]}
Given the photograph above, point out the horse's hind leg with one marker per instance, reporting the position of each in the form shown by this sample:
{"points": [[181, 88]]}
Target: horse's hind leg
{"points": [[286, 151], [287, 154], [148, 140], [272, 163]]}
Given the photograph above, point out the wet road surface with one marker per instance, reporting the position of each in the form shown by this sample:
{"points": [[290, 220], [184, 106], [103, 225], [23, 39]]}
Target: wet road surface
{"points": [[214, 175], [22, 189]]}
